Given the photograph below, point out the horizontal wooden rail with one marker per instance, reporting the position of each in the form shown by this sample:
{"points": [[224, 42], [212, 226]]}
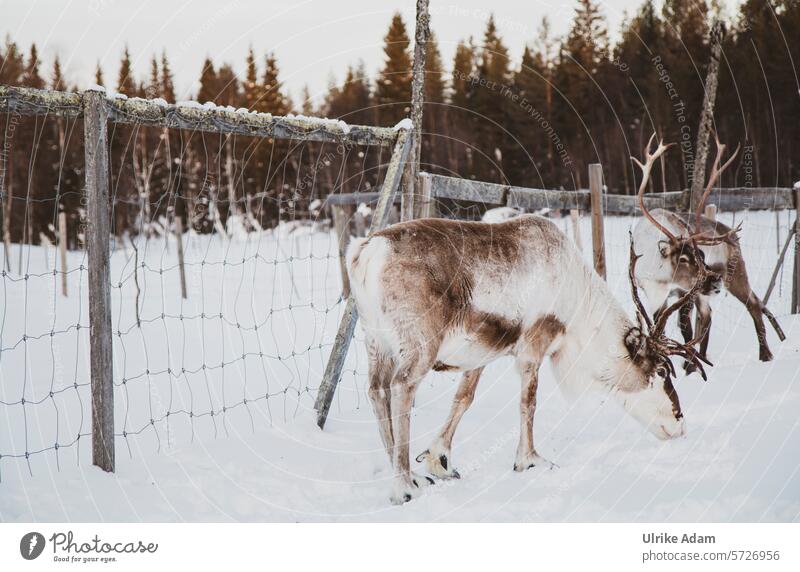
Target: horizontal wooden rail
{"points": [[194, 117], [732, 199]]}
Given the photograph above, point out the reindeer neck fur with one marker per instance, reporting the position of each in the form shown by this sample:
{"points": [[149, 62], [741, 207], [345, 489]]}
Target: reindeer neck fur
{"points": [[593, 353]]}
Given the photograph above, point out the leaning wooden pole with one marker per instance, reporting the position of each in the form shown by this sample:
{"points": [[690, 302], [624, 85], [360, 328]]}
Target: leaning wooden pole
{"points": [[95, 121], [411, 206], [333, 371], [598, 233], [707, 115]]}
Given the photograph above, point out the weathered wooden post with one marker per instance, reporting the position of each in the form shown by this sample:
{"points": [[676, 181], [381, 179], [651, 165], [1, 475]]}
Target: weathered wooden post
{"points": [[342, 226], [598, 236], [62, 248], [181, 268], [407, 209], [333, 370], [95, 128], [796, 275], [707, 114], [426, 204], [710, 211]]}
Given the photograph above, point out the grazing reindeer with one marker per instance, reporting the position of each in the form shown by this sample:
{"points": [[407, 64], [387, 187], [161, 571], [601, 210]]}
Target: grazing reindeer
{"points": [[666, 239], [450, 296]]}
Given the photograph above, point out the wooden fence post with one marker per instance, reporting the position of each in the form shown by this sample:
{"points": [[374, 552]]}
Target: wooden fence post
{"points": [[574, 215], [181, 268], [598, 237], [408, 207], [425, 204], [333, 370], [796, 275], [95, 127], [710, 211], [62, 248], [342, 226]]}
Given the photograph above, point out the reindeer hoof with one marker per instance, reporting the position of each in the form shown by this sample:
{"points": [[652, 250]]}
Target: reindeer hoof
{"points": [[765, 355], [536, 461], [406, 497], [421, 481], [438, 465]]}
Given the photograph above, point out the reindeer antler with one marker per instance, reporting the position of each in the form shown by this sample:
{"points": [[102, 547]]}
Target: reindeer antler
{"points": [[700, 237], [663, 345], [646, 168]]}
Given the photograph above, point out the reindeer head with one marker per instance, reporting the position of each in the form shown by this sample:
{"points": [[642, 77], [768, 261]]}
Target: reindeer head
{"points": [[647, 390], [646, 387], [681, 253]]}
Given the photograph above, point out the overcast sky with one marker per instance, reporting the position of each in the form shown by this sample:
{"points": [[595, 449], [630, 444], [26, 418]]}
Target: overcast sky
{"points": [[312, 39]]}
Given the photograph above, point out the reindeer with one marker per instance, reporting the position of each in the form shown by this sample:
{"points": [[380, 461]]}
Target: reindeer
{"points": [[454, 296], [666, 241]]}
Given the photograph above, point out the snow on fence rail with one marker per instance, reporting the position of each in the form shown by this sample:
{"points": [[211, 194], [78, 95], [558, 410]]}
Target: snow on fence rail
{"points": [[197, 283]]}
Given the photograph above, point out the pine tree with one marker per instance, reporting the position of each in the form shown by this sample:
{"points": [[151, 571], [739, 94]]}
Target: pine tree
{"points": [[461, 120], [32, 78], [208, 82], [435, 153], [393, 87], [98, 75], [587, 43], [306, 102], [273, 99], [227, 86], [153, 88], [251, 89], [167, 82], [491, 103], [126, 83], [435, 83], [57, 82], [463, 70]]}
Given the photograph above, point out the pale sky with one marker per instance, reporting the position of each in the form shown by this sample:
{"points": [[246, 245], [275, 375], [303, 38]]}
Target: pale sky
{"points": [[312, 39]]}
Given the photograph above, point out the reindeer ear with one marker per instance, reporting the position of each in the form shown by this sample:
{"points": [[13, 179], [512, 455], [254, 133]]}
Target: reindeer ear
{"points": [[664, 248], [635, 342]]}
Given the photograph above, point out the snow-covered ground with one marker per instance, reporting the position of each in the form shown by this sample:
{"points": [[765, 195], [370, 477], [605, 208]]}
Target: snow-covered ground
{"points": [[260, 456]]}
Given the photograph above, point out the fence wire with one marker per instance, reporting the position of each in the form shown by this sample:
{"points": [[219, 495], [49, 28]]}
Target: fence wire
{"points": [[247, 345]]}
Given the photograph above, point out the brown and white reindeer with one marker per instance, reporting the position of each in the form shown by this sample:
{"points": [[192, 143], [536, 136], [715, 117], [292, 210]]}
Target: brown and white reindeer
{"points": [[448, 295], [665, 241]]}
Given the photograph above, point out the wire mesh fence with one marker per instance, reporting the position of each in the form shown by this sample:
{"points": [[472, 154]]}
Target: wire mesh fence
{"points": [[225, 285], [224, 276]]}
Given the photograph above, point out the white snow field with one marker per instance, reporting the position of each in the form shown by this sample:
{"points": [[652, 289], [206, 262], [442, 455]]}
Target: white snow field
{"points": [[261, 457]]}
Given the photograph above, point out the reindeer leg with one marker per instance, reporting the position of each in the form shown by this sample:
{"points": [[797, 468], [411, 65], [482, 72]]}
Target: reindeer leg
{"points": [[685, 324], [741, 289], [403, 387], [703, 322], [381, 369], [437, 457], [527, 457]]}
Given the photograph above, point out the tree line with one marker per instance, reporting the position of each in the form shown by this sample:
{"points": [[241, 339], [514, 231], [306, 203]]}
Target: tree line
{"points": [[567, 102]]}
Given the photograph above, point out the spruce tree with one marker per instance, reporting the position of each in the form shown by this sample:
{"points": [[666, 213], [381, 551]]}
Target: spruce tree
{"points": [[393, 86], [32, 78], [251, 88], [491, 104], [98, 75], [167, 82], [126, 83], [208, 83], [273, 99], [57, 81]]}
